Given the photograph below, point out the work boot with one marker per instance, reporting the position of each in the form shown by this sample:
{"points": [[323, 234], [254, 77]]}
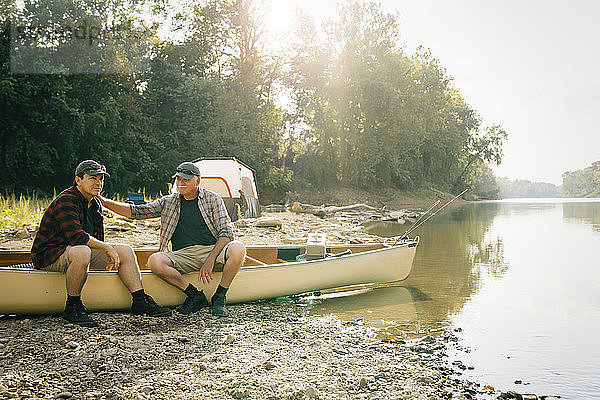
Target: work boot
{"points": [[193, 303], [77, 314], [218, 305], [146, 305]]}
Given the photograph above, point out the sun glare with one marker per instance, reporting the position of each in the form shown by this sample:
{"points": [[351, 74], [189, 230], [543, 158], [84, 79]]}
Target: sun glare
{"points": [[279, 16]]}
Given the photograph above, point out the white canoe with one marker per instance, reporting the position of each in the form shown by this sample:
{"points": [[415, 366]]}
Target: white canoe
{"points": [[264, 275]]}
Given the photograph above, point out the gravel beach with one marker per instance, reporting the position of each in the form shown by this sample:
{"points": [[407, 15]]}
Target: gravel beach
{"points": [[273, 349], [264, 350]]}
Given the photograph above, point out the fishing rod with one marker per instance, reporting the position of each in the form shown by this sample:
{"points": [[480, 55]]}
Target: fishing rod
{"points": [[422, 215], [415, 226]]}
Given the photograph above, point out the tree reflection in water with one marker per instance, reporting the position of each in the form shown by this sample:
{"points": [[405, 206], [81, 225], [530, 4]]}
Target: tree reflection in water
{"points": [[456, 248], [588, 213]]}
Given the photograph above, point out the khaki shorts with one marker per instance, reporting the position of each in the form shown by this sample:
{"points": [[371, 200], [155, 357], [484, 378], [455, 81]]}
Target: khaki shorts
{"points": [[98, 261], [191, 258]]}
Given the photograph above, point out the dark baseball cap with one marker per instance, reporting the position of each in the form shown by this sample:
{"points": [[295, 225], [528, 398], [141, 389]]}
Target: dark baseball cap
{"points": [[90, 167], [187, 170]]}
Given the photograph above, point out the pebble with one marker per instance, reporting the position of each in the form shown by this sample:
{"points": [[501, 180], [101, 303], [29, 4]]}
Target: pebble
{"points": [[64, 395], [268, 365], [72, 344], [363, 383], [229, 339], [511, 394], [240, 394], [22, 234], [146, 389], [311, 392]]}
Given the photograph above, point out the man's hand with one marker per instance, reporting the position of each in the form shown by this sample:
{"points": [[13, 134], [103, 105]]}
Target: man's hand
{"points": [[113, 257], [205, 273]]}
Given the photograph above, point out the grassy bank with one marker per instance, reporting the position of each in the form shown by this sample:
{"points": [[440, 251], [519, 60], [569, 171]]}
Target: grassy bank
{"points": [[22, 210]]}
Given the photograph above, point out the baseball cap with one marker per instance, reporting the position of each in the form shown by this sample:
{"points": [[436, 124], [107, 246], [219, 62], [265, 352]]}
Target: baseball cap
{"points": [[90, 167], [187, 170]]}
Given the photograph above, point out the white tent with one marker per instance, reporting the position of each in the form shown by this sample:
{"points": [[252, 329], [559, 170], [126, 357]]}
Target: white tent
{"points": [[234, 181]]}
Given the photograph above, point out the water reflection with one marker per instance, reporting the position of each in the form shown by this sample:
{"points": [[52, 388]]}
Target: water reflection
{"points": [[456, 250], [394, 309], [588, 213]]}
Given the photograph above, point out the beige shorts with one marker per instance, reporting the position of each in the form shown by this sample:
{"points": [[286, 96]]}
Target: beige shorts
{"points": [[191, 258], [98, 261]]}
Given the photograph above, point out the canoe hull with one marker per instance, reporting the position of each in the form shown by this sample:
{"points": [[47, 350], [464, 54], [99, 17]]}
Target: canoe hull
{"points": [[39, 292]]}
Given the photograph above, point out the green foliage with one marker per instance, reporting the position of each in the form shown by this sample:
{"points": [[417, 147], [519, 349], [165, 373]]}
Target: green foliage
{"points": [[364, 114], [582, 183], [483, 183], [378, 117]]}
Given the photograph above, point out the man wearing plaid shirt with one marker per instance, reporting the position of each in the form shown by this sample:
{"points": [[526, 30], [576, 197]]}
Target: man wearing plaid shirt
{"points": [[196, 223], [71, 240]]}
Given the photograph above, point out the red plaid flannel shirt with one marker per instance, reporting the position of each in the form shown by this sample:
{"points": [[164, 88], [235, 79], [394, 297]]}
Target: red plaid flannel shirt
{"points": [[63, 225]]}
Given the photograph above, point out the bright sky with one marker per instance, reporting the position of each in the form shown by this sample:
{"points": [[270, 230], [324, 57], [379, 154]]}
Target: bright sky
{"points": [[532, 66]]}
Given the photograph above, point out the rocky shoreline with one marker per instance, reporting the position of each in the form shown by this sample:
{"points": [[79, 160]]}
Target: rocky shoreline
{"points": [[264, 350]]}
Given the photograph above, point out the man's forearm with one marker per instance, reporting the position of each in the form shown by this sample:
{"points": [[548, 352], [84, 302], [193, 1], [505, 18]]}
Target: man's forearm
{"points": [[96, 244], [221, 242], [123, 209]]}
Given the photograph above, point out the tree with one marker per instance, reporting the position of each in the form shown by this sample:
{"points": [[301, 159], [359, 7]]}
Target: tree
{"points": [[482, 147], [582, 183]]}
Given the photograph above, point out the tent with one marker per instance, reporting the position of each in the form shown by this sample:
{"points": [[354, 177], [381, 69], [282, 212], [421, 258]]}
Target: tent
{"points": [[234, 182]]}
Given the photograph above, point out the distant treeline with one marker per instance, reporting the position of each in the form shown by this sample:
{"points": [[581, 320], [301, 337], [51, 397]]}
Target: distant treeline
{"points": [[360, 112], [582, 183], [519, 188]]}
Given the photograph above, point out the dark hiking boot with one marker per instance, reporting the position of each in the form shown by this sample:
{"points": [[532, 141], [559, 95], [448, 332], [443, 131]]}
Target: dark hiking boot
{"points": [[78, 314], [146, 305], [193, 303], [218, 305]]}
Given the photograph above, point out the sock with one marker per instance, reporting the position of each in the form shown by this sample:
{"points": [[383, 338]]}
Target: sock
{"points": [[221, 290], [138, 294], [71, 300], [191, 290]]}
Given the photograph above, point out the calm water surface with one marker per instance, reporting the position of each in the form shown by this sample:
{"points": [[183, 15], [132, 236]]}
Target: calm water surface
{"points": [[522, 280]]}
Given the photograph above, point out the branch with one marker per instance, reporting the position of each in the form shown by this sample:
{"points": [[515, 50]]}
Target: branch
{"points": [[320, 211]]}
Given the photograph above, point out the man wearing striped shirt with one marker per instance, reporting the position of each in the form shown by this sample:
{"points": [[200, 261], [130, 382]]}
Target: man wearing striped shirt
{"points": [[196, 223]]}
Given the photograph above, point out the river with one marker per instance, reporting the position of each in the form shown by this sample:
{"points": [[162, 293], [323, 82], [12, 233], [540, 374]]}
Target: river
{"points": [[519, 283]]}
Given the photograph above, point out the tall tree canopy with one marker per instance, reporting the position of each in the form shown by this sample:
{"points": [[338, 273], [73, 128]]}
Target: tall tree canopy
{"points": [[363, 113]]}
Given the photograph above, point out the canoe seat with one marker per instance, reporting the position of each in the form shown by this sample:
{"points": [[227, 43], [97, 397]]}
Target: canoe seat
{"points": [[288, 254]]}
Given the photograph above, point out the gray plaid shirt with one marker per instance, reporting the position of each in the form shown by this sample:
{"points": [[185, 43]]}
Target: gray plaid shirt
{"points": [[168, 207]]}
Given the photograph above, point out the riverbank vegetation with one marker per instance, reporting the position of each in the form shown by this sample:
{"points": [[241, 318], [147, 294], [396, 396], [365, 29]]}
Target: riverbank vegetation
{"points": [[338, 105], [582, 183], [22, 210], [518, 188]]}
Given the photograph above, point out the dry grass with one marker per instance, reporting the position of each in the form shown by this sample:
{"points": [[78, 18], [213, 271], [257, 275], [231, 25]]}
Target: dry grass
{"points": [[21, 211], [17, 212]]}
